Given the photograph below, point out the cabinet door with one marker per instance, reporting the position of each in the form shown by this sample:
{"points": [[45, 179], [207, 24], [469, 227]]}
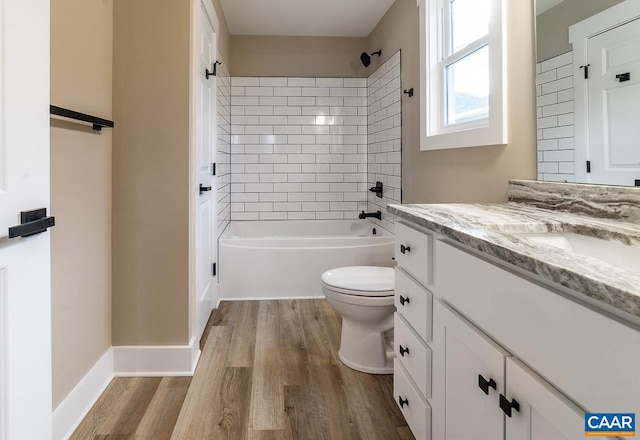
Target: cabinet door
{"points": [[464, 359], [544, 413]]}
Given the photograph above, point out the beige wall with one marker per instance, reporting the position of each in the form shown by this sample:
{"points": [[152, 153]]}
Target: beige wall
{"points": [[81, 43], [297, 56], [151, 172], [553, 25], [468, 174]]}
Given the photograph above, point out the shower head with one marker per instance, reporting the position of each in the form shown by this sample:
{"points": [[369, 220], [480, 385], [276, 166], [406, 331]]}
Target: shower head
{"points": [[366, 58]]}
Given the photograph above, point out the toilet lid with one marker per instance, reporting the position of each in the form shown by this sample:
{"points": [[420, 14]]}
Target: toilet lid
{"points": [[377, 281]]}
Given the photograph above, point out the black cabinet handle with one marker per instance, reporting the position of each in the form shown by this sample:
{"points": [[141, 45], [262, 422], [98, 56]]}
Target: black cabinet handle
{"points": [[403, 350], [507, 406], [403, 402], [204, 188], [404, 300], [404, 249], [485, 384]]}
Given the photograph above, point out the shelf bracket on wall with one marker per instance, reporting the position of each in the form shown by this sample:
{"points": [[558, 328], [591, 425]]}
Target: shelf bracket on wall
{"points": [[98, 123]]}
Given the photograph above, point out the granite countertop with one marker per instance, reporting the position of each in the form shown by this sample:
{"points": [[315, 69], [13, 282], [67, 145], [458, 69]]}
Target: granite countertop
{"points": [[492, 228]]}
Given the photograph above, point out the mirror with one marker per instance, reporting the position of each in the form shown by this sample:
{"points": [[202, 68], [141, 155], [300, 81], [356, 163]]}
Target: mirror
{"points": [[601, 144]]}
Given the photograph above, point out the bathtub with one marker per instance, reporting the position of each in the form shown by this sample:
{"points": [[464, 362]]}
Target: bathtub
{"points": [[284, 259]]}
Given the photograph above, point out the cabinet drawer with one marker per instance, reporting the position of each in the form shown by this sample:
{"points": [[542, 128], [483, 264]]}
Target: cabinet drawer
{"points": [[416, 411], [414, 251], [415, 304], [414, 355]]}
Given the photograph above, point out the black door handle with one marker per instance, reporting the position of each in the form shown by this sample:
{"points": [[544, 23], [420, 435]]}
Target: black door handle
{"points": [[507, 406], [404, 300], [485, 384], [403, 402], [624, 77], [403, 350], [204, 188], [32, 223], [404, 249]]}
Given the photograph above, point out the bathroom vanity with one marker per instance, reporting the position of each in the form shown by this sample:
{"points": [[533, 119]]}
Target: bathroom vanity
{"points": [[515, 319]]}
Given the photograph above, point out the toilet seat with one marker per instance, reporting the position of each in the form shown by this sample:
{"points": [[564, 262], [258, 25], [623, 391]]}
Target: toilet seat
{"points": [[365, 281]]}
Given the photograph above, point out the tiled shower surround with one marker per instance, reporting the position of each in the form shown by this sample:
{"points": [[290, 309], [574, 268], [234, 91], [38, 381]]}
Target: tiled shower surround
{"points": [[554, 87], [300, 146], [384, 158], [223, 156]]}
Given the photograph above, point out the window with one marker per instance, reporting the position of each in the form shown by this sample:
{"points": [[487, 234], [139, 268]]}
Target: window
{"points": [[462, 78]]}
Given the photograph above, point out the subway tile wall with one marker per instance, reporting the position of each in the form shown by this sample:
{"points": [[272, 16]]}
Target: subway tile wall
{"points": [[554, 78], [223, 153], [298, 148], [384, 158]]}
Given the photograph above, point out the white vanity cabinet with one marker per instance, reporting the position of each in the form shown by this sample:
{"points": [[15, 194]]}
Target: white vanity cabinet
{"points": [[507, 358], [482, 385], [413, 329], [468, 375]]}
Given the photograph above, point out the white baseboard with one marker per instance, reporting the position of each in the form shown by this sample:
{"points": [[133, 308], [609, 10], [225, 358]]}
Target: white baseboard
{"points": [[68, 415], [153, 361], [274, 298], [131, 361]]}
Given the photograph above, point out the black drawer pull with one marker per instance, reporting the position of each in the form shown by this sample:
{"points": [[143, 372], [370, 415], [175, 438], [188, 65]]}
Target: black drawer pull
{"points": [[485, 384], [404, 249], [507, 406], [404, 300], [403, 402], [403, 350]]}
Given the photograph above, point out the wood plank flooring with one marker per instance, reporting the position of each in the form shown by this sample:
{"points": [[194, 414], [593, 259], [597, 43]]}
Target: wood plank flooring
{"points": [[269, 370]]}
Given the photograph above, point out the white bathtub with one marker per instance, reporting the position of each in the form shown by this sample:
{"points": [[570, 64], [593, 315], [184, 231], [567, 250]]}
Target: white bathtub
{"points": [[284, 259]]}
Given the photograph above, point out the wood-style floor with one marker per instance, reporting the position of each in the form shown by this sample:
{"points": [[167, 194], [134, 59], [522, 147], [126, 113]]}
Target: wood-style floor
{"points": [[269, 370]]}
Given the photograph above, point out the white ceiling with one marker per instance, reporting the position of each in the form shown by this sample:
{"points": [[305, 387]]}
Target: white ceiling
{"points": [[330, 18], [545, 5]]}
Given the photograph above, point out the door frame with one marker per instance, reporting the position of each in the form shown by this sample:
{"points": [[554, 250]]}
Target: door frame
{"points": [[193, 172], [579, 35]]}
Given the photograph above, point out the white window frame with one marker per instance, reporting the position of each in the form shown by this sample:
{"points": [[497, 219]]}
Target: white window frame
{"points": [[435, 134]]}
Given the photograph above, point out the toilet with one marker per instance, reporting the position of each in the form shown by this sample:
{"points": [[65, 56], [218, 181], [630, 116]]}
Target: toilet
{"points": [[363, 295]]}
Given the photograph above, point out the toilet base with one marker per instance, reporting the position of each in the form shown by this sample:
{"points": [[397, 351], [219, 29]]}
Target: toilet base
{"points": [[387, 369], [367, 348]]}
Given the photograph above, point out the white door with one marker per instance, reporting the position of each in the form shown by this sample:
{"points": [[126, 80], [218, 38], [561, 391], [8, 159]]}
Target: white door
{"points": [[25, 305], [466, 364], [614, 105], [206, 286], [544, 413]]}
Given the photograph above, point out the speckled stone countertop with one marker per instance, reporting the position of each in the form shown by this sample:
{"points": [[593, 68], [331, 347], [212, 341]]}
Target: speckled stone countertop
{"points": [[492, 229]]}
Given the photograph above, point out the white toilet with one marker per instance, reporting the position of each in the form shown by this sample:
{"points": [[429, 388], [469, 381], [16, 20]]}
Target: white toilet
{"points": [[363, 295]]}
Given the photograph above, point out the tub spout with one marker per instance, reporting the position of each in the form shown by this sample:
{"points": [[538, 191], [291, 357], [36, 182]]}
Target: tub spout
{"points": [[376, 214]]}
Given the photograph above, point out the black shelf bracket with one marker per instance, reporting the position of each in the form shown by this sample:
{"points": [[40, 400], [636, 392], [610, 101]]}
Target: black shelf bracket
{"points": [[98, 123]]}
